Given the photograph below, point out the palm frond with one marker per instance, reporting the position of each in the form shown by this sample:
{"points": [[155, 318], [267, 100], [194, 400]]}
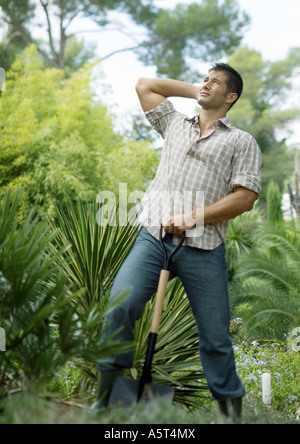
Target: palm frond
{"points": [[40, 303], [272, 271], [267, 292], [273, 318], [96, 250]]}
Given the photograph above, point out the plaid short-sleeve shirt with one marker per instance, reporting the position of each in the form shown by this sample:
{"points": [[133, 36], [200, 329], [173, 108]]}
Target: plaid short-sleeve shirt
{"points": [[193, 167]]}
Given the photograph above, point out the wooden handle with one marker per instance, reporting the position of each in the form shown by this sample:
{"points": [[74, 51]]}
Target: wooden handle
{"points": [[160, 297]]}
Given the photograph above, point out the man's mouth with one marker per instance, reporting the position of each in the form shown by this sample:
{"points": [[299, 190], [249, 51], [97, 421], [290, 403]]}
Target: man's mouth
{"points": [[204, 93]]}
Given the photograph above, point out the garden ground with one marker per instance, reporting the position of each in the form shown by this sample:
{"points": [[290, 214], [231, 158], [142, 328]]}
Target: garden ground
{"points": [[68, 406], [29, 409]]}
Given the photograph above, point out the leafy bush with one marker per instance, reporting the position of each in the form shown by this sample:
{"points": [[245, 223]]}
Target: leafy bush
{"points": [[274, 198], [58, 140], [266, 291], [39, 310]]}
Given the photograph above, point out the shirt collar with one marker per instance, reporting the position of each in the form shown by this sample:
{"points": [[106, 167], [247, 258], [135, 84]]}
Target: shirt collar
{"points": [[225, 121]]}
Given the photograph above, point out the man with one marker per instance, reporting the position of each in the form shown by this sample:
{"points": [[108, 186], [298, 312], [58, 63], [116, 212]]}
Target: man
{"points": [[205, 153]]}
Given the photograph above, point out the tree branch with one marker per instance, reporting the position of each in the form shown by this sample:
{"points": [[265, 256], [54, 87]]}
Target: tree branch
{"points": [[14, 35], [132, 48], [107, 29], [62, 35], [51, 42], [27, 37], [72, 18]]}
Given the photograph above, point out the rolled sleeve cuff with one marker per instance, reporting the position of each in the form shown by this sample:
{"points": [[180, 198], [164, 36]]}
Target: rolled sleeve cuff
{"points": [[250, 182]]}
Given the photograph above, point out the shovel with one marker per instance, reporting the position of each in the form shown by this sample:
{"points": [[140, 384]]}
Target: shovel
{"points": [[128, 391]]}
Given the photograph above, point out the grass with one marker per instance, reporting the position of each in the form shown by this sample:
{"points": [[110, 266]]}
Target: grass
{"points": [[65, 405], [31, 409]]}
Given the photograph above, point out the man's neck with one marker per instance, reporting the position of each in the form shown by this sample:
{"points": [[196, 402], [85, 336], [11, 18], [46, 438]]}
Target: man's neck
{"points": [[206, 119]]}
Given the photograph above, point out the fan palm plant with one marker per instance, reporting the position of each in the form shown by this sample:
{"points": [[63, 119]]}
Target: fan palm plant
{"points": [[97, 249], [268, 290], [38, 306]]}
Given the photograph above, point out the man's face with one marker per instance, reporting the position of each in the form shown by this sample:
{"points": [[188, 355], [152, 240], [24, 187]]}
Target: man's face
{"points": [[213, 92]]}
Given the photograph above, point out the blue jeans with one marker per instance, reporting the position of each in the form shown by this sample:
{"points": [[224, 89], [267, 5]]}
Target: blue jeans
{"points": [[203, 274]]}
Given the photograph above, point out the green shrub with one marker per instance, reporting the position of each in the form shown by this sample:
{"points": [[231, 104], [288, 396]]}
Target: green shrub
{"points": [[39, 308], [254, 359]]}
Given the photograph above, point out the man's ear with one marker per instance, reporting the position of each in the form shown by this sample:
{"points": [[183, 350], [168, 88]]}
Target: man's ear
{"points": [[231, 98]]}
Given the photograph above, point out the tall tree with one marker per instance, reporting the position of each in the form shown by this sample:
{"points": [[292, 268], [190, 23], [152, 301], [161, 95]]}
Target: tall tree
{"points": [[58, 142], [171, 37]]}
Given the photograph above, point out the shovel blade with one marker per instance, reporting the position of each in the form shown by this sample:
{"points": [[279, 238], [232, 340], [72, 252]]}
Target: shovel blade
{"points": [[126, 391]]}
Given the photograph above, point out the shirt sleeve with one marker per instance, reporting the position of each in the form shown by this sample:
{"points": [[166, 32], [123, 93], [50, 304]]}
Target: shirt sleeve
{"points": [[246, 170], [161, 117]]}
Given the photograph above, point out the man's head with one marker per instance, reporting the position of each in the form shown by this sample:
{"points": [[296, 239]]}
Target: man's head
{"points": [[222, 82], [234, 79]]}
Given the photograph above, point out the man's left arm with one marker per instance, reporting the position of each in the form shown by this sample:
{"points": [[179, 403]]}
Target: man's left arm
{"points": [[245, 186], [229, 207]]}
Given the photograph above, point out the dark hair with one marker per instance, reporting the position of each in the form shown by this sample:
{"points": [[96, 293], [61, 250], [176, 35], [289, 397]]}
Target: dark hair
{"points": [[234, 79]]}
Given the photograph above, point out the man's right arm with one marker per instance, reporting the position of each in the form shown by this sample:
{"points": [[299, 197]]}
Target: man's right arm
{"points": [[152, 92]]}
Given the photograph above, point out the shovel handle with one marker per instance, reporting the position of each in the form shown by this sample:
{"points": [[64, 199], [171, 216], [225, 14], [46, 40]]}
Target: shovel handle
{"points": [[162, 284], [158, 308], [160, 297]]}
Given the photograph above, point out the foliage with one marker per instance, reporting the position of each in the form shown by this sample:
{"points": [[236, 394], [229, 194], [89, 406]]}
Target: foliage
{"points": [[38, 310], [198, 31], [58, 143], [10, 46], [274, 198], [97, 249], [170, 37], [244, 236], [254, 359], [266, 292]]}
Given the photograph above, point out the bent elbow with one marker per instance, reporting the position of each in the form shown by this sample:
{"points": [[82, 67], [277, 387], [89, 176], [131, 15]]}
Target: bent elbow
{"points": [[140, 84], [249, 203], [246, 199], [249, 206]]}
